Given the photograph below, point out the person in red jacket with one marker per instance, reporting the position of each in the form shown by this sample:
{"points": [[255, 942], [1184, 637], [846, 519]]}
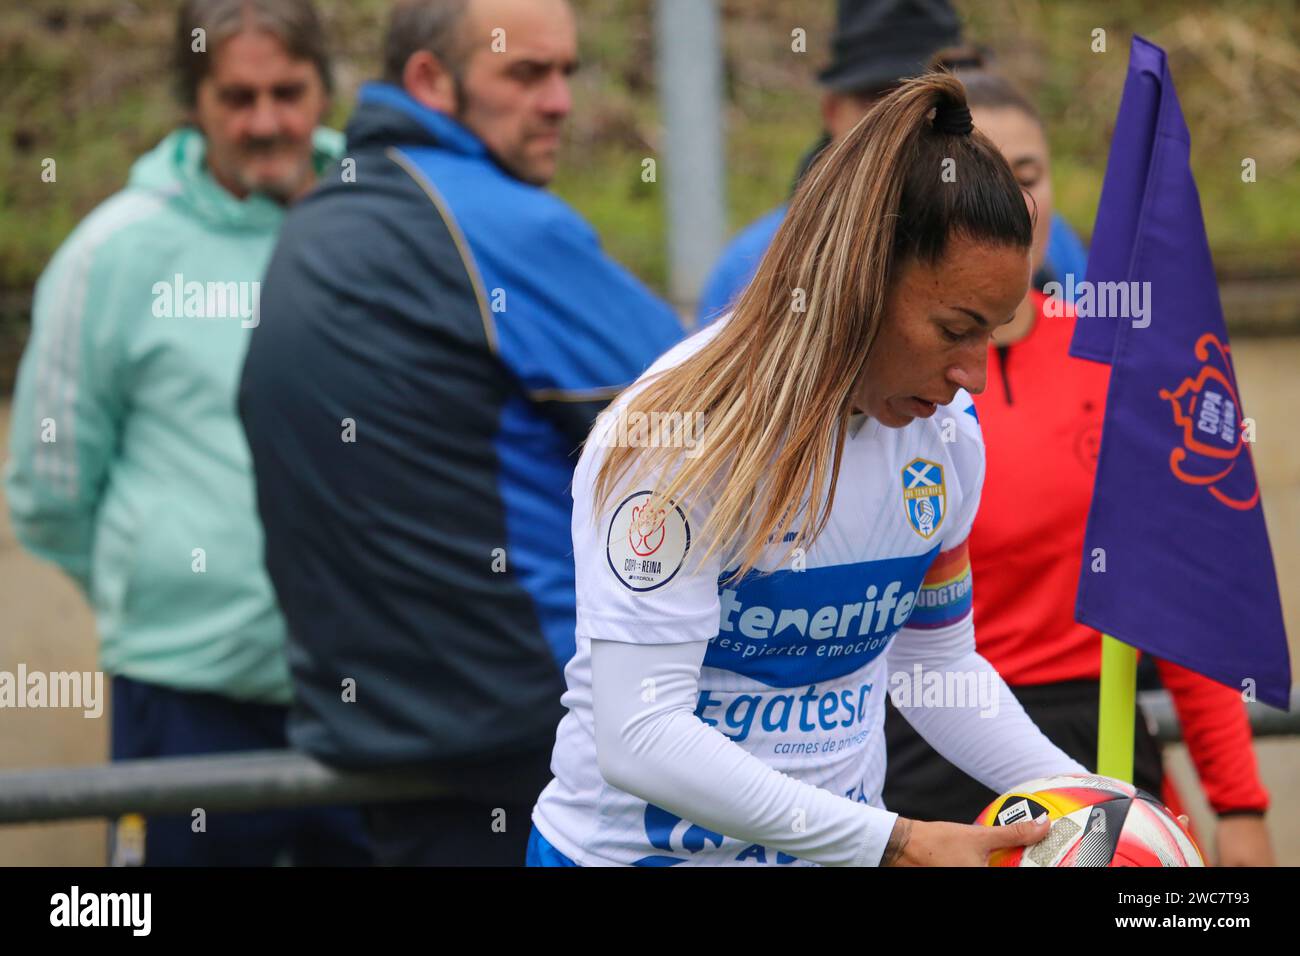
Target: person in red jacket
{"points": [[1041, 415]]}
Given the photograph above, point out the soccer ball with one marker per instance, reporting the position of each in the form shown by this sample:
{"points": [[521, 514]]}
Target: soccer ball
{"points": [[1096, 821]]}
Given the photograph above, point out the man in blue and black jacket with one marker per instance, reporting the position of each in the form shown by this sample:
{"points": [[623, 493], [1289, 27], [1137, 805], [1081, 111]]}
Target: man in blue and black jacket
{"points": [[437, 335]]}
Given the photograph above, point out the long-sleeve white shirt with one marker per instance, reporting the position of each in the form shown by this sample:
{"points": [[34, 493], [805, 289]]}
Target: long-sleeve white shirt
{"points": [[721, 722]]}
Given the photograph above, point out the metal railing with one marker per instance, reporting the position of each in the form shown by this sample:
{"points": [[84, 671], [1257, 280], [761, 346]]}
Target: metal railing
{"points": [[1265, 721], [284, 778]]}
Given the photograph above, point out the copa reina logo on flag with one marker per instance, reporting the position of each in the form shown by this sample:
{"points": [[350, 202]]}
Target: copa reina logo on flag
{"points": [[1208, 412]]}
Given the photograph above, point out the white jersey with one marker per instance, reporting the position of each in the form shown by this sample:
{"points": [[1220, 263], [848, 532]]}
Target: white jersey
{"points": [[795, 670]]}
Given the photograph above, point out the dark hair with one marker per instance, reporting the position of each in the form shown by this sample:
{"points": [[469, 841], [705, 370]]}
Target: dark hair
{"points": [[293, 22], [434, 25], [983, 202]]}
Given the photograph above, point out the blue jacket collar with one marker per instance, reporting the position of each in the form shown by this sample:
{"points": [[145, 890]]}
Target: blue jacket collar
{"points": [[447, 133]]}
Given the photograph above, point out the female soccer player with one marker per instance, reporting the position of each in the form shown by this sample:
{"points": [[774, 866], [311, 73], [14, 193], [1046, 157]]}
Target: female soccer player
{"points": [[778, 502], [1042, 417]]}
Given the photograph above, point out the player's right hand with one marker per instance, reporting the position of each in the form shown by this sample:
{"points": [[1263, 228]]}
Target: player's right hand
{"points": [[957, 844]]}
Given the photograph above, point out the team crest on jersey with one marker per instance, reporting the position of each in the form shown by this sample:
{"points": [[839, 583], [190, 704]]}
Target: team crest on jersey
{"points": [[646, 543], [924, 497]]}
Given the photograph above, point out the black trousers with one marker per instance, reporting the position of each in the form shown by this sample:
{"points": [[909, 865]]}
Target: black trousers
{"points": [[922, 785], [486, 824], [149, 720]]}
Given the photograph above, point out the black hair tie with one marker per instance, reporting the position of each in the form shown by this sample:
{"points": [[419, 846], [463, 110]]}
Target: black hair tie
{"points": [[953, 119]]}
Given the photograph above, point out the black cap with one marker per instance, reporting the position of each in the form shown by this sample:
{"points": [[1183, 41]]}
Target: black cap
{"points": [[877, 42]]}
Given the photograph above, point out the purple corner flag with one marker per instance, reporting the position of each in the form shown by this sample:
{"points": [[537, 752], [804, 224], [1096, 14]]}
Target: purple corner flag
{"points": [[1176, 515]]}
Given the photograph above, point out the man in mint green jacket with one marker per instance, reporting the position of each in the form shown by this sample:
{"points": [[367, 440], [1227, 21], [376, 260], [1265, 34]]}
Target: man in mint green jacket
{"points": [[128, 464]]}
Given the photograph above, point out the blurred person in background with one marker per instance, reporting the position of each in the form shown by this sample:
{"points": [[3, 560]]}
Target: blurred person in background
{"points": [[438, 335], [1041, 415], [876, 44], [128, 466]]}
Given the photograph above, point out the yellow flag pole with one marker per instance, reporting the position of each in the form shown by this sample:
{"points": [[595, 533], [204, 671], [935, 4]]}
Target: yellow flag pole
{"points": [[1118, 706]]}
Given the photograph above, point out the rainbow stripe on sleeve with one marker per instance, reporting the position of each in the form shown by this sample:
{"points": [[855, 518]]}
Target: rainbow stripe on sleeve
{"points": [[945, 595]]}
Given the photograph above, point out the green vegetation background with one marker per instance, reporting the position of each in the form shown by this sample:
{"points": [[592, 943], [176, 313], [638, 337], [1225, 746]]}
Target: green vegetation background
{"points": [[88, 84]]}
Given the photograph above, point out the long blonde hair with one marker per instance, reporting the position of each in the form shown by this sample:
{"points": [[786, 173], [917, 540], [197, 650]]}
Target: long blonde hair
{"points": [[775, 384]]}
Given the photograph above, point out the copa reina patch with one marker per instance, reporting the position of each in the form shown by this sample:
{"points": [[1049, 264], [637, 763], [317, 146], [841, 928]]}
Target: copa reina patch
{"points": [[646, 546]]}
